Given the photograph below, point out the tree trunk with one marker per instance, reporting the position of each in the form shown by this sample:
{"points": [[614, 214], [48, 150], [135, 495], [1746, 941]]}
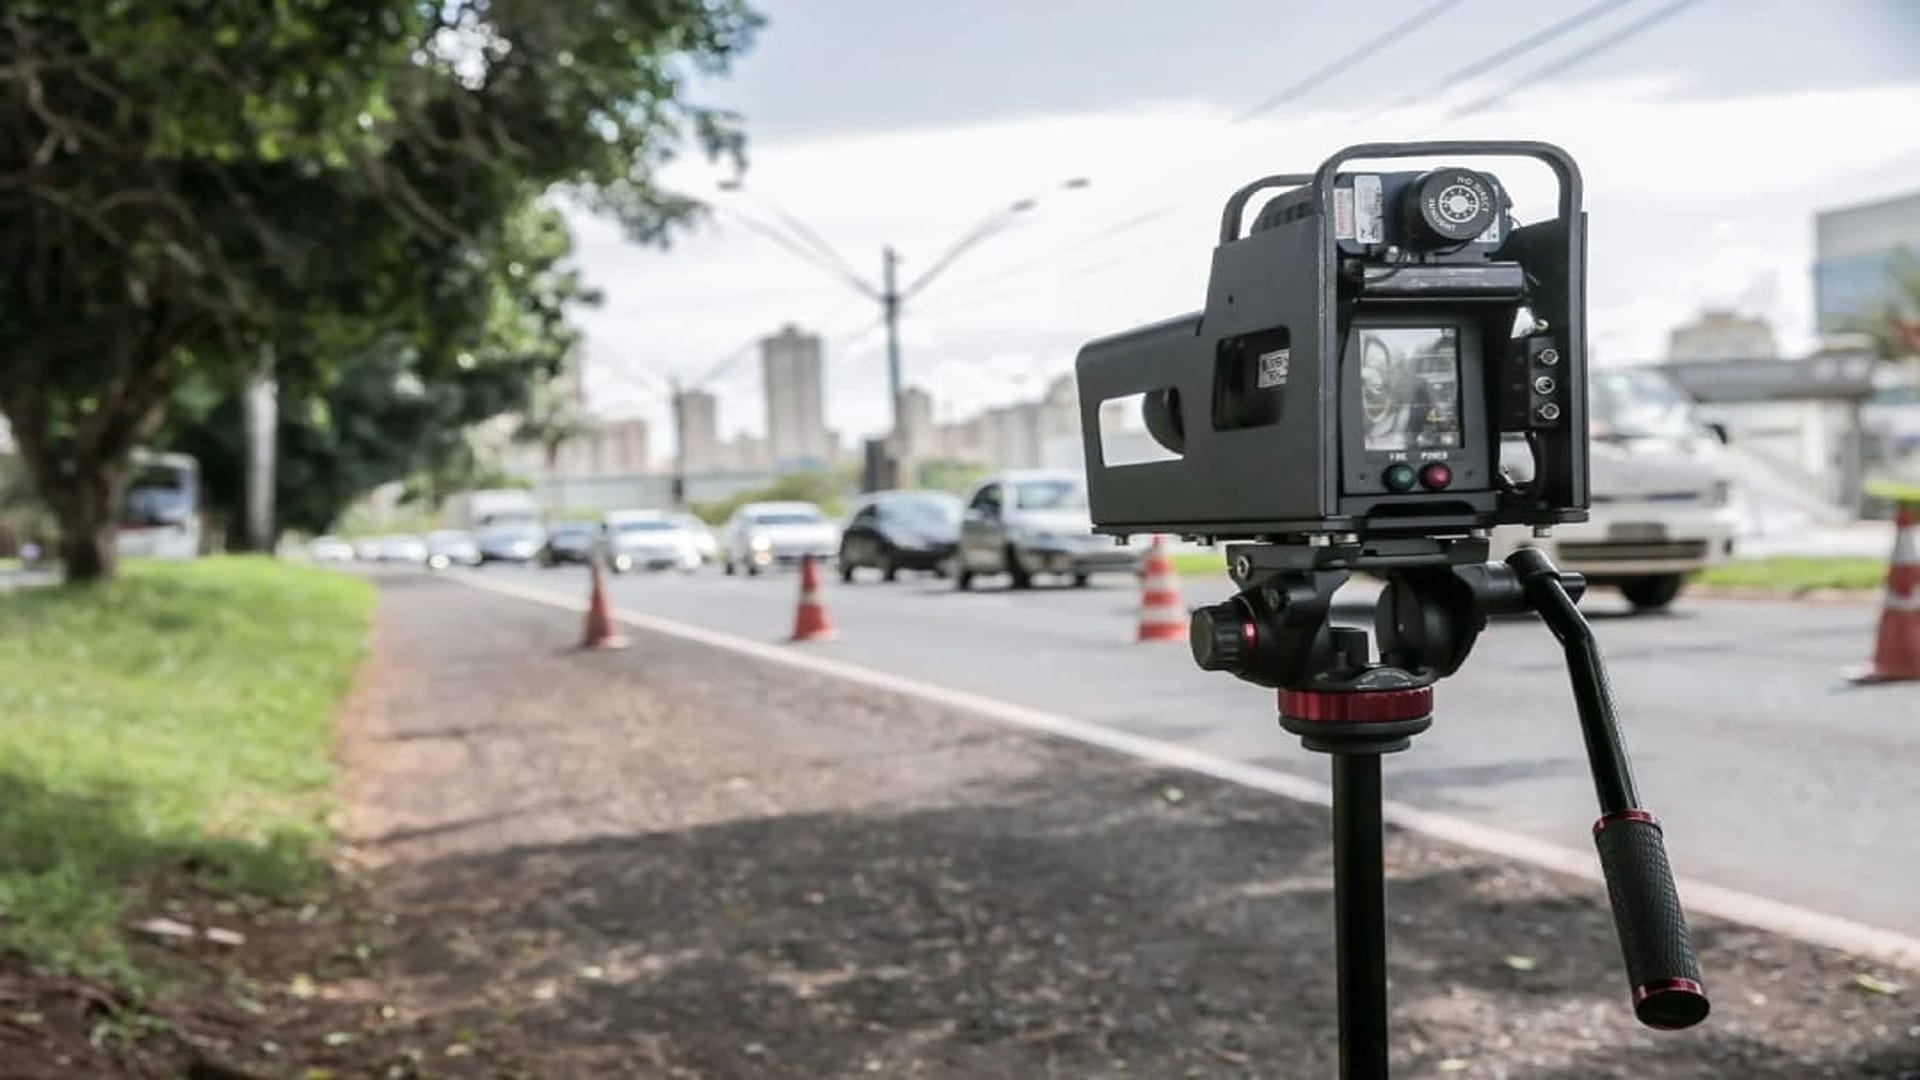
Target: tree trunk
{"points": [[89, 523]]}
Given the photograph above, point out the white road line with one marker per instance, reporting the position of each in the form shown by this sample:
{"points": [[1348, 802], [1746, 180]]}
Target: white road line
{"points": [[1732, 905]]}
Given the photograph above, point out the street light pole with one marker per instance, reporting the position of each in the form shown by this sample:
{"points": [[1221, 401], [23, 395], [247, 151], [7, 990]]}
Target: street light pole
{"points": [[890, 309]]}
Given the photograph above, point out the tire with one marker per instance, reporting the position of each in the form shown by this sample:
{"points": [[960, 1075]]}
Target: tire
{"points": [[1652, 593], [753, 570], [1080, 581], [729, 567], [889, 569], [1017, 575], [962, 577], [846, 571]]}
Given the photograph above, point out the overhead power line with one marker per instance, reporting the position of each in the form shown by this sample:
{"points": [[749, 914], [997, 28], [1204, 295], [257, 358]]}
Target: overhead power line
{"points": [[1559, 65], [1346, 60]]}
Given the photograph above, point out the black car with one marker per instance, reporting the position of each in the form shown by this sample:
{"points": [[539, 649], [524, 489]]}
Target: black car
{"points": [[893, 531], [569, 542]]}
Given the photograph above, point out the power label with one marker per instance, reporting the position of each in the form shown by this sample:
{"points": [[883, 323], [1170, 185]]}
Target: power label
{"points": [[1342, 213], [1369, 221], [1273, 369]]}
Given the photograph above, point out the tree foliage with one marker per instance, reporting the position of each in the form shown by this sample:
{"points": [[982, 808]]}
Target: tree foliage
{"points": [[192, 189]]}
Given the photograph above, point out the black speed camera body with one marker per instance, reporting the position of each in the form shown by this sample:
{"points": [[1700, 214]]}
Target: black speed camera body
{"points": [[1383, 353]]}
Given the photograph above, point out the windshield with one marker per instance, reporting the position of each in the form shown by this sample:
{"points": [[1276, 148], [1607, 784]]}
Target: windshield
{"points": [[646, 525], [923, 509], [449, 537], [788, 517], [157, 495], [515, 532], [1050, 495], [1640, 404]]}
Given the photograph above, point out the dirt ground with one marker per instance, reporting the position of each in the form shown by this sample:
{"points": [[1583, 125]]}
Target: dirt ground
{"points": [[674, 862]]}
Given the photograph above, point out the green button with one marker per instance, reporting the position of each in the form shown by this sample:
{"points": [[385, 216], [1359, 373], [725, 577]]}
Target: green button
{"points": [[1399, 477]]}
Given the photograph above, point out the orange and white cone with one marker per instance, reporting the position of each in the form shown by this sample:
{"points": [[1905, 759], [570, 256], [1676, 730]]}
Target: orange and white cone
{"points": [[1896, 646], [601, 632], [810, 621], [1162, 616]]}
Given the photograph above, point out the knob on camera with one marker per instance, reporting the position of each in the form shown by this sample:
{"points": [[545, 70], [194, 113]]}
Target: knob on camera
{"points": [[1447, 207]]}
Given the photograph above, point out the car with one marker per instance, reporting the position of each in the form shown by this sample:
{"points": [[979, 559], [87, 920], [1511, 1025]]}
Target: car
{"points": [[703, 539], [647, 540], [570, 542], [892, 531], [330, 549], [404, 548], [451, 547], [511, 542], [367, 548], [1030, 522], [1660, 490], [764, 534]]}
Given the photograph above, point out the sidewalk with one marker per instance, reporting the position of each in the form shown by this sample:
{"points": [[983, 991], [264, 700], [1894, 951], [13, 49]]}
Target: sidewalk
{"points": [[673, 862]]}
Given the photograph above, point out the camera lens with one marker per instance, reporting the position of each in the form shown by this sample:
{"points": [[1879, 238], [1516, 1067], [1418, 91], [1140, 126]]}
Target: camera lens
{"points": [[1448, 207]]}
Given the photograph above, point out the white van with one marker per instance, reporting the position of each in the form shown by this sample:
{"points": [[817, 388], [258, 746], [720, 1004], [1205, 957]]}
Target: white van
{"points": [[1661, 493]]}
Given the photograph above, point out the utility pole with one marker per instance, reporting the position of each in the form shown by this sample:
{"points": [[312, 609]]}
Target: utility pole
{"points": [[679, 405], [890, 305], [260, 413]]}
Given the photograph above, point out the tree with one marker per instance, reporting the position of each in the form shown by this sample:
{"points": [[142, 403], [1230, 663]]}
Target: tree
{"points": [[192, 188], [551, 420], [1894, 324]]}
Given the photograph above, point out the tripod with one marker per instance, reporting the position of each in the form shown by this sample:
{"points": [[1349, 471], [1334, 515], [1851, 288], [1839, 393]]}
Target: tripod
{"points": [[1438, 597]]}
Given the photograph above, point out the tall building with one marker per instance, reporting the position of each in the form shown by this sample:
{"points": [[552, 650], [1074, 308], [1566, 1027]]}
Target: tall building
{"points": [[1855, 249], [916, 423], [796, 399], [699, 419], [1723, 335]]}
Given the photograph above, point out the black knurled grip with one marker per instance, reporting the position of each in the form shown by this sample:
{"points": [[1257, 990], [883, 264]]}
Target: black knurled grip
{"points": [[1661, 969]]}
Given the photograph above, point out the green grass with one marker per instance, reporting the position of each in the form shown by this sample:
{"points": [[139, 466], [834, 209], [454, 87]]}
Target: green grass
{"points": [[181, 717], [1795, 573]]}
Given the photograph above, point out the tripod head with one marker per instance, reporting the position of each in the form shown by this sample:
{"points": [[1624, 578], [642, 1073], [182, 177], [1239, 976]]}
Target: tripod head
{"points": [[1439, 593]]}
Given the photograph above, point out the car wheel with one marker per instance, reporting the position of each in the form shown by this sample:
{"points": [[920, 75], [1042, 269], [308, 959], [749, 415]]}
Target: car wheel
{"points": [[1017, 575], [1652, 593], [729, 567], [846, 571], [753, 569], [1080, 581], [889, 569], [962, 577]]}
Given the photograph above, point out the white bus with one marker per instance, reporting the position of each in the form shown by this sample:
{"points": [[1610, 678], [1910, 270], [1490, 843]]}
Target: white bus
{"points": [[160, 511]]}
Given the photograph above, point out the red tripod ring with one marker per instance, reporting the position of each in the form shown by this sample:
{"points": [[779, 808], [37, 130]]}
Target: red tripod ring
{"points": [[1357, 706]]}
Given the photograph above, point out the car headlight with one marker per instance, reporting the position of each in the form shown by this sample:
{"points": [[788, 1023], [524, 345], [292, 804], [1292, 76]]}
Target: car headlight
{"points": [[759, 543]]}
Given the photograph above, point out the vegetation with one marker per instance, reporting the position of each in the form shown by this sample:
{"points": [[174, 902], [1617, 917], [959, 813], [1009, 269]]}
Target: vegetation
{"points": [[829, 490], [193, 192], [181, 717], [1796, 574], [1894, 324]]}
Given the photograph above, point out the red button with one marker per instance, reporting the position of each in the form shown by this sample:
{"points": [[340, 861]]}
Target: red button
{"points": [[1436, 476]]}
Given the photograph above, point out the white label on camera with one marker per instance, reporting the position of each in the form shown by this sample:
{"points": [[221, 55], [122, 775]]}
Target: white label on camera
{"points": [[1273, 369], [1492, 235], [1342, 213], [1368, 225]]}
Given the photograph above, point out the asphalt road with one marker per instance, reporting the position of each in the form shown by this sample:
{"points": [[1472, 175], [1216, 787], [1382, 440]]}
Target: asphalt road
{"points": [[1773, 775]]}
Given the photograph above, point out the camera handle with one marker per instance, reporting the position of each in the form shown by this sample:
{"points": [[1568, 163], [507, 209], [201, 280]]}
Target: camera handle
{"points": [[1276, 633]]}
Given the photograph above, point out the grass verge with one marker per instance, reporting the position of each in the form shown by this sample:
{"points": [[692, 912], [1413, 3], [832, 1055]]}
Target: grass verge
{"points": [[1200, 563], [179, 718], [1795, 573]]}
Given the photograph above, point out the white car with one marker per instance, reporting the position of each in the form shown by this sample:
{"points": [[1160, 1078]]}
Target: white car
{"points": [[1660, 490], [647, 540], [760, 535], [329, 549], [1034, 521]]}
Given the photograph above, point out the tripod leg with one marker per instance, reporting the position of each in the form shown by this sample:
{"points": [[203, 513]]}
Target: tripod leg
{"points": [[1360, 916]]}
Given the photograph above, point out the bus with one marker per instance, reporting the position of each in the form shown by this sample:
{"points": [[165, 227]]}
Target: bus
{"points": [[160, 511]]}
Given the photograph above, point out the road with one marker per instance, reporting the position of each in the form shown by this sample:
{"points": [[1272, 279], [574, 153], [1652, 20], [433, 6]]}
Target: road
{"points": [[1773, 775]]}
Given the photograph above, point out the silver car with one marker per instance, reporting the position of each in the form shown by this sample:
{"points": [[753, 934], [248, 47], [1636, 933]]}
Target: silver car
{"points": [[761, 535], [1034, 522], [647, 540]]}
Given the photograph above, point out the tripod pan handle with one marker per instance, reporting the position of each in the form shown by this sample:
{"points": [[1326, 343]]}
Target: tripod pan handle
{"points": [[1654, 939]]}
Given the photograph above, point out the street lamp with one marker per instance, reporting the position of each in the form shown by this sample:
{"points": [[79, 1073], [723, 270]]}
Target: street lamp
{"points": [[808, 244]]}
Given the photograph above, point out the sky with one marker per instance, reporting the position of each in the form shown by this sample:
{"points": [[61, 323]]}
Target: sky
{"points": [[1707, 141]]}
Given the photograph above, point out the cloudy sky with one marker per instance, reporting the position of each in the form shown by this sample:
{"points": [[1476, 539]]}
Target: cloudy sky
{"points": [[1708, 140]]}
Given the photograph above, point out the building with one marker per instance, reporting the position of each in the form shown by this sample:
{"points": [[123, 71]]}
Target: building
{"points": [[918, 437], [1723, 335], [796, 400], [699, 423], [1855, 251]]}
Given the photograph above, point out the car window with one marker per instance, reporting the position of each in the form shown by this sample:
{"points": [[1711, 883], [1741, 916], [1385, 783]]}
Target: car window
{"points": [[987, 499], [923, 509], [1050, 495], [866, 515], [1642, 404], [646, 525]]}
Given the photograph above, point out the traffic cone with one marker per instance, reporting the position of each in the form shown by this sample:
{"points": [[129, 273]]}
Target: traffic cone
{"points": [[1896, 647], [1162, 616], [601, 632], [810, 618]]}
